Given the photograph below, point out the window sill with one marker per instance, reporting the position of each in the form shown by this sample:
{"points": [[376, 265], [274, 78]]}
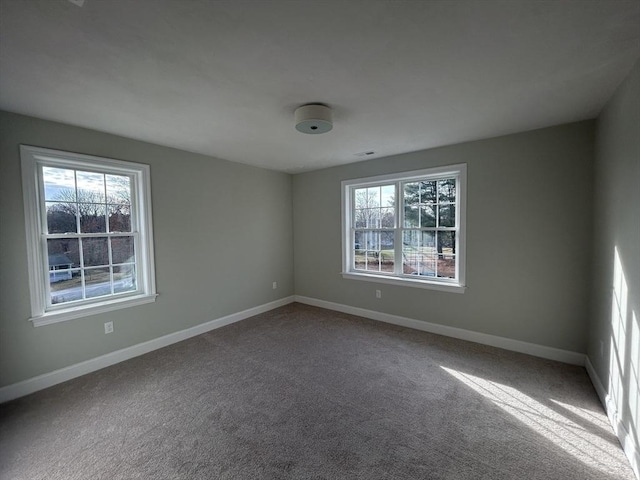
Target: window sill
{"points": [[406, 282], [92, 309]]}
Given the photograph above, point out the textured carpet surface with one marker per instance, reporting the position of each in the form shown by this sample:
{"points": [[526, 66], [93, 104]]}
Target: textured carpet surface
{"points": [[302, 392]]}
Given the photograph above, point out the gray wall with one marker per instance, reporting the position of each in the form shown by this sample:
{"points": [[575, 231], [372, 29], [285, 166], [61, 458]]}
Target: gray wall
{"points": [[528, 237], [223, 234], [225, 231], [617, 226]]}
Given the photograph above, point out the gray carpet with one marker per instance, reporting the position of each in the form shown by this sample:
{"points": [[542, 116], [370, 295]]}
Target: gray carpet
{"points": [[305, 393]]}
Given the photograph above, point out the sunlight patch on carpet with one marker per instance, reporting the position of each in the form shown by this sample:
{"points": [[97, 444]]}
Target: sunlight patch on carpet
{"points": [[576, 436]]}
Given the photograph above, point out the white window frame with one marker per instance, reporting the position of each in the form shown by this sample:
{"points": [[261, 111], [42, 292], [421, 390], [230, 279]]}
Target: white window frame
{"points": [[457, 285], [42, 312]]}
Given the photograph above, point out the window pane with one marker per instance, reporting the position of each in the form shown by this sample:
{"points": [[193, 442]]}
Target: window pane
{"points": [[373, 207], [63, 253], [359, 243], [447, 266], [410, 251], [447, 190], [411, 216], [367, 218], [372, 240], [124, 278], [97, 282], [59, 184], [373, 260], [411, 193], [386, 240], [358, 240], [446, 254], [118, 189], [427, 192], [374, 251], [447, 215], [418, 200], [61, 217], [65, 286], [387, 254], [92, 218], [418, 253], [360, 197], [427, 216], [119, 218], [428, 256], [387, 218], [368, 198], [373, 218], [446, 242], [428, 265], [387, 195], [373, 197], [95, 252], [122, 250], [90, 187], [428, 241]]}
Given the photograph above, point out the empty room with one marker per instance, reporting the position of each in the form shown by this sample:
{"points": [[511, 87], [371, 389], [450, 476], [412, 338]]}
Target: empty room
{"points": [[330, 239]]}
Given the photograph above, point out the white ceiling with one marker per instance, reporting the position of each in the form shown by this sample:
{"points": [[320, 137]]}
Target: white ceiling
{"points": [[224, 77]]}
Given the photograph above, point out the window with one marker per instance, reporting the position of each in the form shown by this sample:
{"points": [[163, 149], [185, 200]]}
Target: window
{"points": [[406, 229], [89, 234]]}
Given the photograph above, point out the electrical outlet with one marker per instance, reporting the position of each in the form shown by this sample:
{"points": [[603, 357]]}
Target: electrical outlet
{"points": [[108, 327], [378, 294], [274, 285]]}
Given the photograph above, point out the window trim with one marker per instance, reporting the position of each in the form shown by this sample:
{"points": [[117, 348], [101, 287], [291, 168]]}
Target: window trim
{"points": [[32, 159], [348, 186]]}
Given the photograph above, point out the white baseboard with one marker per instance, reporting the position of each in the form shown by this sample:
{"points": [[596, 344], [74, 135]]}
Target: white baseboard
{"points": [[629, 446], [597, 384], [46, 380], [50, 379], [550, 353]]}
